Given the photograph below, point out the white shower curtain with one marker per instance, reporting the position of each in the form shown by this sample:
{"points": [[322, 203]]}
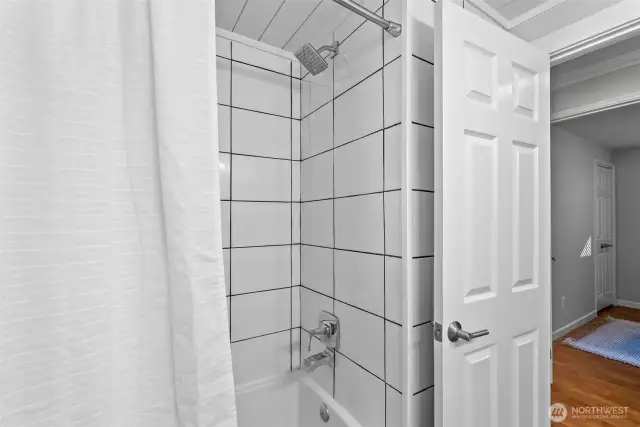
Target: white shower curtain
{"points": [[112, 300]]}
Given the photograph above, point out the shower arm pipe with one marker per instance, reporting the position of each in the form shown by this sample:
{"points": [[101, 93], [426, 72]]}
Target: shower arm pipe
{"points": [[390, 27]]}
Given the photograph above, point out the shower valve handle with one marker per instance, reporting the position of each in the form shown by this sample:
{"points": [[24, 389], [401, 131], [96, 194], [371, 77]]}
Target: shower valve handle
{"points": [[326, 329]]}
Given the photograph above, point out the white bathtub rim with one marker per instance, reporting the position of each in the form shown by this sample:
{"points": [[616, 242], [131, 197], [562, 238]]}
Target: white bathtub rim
{"points": [[327, 399], [281, 381]]}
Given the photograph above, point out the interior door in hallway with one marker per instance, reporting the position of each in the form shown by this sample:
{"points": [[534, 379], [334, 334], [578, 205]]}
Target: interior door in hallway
{"points": [[493, 249], [604, 235]]}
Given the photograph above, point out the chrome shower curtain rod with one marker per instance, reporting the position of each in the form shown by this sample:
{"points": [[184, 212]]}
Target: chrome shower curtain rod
{"points": [[390, 27]]}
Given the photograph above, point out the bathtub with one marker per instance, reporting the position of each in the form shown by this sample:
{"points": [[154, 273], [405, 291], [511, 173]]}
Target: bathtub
{"points": [[291, 400]]}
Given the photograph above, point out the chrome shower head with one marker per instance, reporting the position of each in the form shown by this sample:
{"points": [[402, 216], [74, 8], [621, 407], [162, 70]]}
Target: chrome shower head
{"points": [[311, 59]]}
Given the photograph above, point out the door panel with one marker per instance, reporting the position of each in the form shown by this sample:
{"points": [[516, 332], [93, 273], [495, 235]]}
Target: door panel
{"points": [[525, 164], [480, 394], [525, 379], [492, 257], [481, 245]]}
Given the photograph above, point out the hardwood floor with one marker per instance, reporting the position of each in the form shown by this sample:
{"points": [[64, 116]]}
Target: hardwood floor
{"points": [[585, 379]]}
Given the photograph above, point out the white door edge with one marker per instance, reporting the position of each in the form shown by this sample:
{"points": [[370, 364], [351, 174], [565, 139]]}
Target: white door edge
{"points": [[607, 164]]}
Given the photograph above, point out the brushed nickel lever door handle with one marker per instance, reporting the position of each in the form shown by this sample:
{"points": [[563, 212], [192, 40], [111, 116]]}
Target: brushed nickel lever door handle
{"points": [[456, 332]]}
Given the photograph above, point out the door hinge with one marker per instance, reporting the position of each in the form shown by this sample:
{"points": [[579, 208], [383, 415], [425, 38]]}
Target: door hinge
{"points": [[437, 331]]}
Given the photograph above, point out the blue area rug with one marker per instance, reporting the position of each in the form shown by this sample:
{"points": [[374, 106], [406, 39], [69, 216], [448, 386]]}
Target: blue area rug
{"points": [[614, 339]]}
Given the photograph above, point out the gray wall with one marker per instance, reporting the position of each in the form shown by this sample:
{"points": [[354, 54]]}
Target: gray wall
{"points": [[572, 159], [628, 223]]}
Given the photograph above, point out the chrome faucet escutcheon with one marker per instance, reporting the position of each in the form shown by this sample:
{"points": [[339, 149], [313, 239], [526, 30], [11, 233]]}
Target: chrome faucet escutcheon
{"points": [[328, 331]]}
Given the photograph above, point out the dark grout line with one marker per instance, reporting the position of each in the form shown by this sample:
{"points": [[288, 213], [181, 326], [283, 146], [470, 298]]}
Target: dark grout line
{"points": [[353, 140], [290, 209], [384, 235], [419, 190], [423, 256], [362, 367], [231, 180], [259, 292], [423, 125], [256, 111], [334, 97], [255, 201], [355, 363], [392, 387], [393, 60], [260, 336], [364, 79], [350, 305], [333, 193], [422, 324], [256, 156], [351, 196], [421, 59], [349, 250], [260, 67], [423, 390], [261, 246], [317, 109]]}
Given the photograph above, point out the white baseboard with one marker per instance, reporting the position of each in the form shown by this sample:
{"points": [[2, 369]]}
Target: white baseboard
{"points": [[630, 304], [560, 332]]}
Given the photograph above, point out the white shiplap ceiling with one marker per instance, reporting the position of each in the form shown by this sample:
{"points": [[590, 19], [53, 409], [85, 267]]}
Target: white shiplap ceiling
{"points": [[285, 24]]}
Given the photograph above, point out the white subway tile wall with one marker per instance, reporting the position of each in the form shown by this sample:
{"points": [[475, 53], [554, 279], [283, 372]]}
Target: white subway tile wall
{"points": [[357, 60], [423, 105], [259, 134], [259, 58], [392, 158], [259, 313], [358, 111], [360, 393], [261, 90], [351, 218], [357, 342], [359, 280], [392, 92], [260, 268], [271, 359], [268, 135], [358, 166], [317, 269], [312, 218], [317, 131]]}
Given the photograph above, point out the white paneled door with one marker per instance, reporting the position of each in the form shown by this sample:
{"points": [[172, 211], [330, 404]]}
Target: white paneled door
{"points": [[604, 248], [493, 249]]}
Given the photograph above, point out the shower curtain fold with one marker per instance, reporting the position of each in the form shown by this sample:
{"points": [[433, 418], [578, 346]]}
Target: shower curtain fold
{"points": [[112, 296]]}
